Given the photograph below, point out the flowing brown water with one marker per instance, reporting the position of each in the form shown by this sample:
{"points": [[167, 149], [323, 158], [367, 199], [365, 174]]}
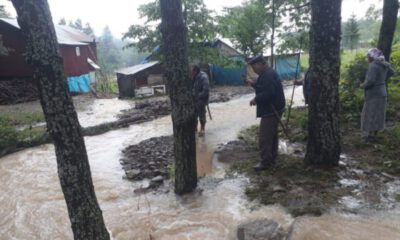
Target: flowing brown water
{"points": [[32, 205]]}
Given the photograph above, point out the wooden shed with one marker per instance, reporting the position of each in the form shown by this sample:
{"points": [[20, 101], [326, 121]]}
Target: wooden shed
{"points": [[141, 80], [77, 49]]}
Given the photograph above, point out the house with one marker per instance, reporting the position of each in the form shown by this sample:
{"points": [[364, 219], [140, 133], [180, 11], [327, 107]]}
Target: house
{"points": [[148, 78], [77, 49], [144, 79]]}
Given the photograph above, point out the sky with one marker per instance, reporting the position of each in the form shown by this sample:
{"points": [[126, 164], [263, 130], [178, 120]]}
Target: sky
{"points": [[120, 14]]}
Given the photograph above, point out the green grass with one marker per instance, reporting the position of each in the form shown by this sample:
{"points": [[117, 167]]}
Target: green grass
{"points": [[346, 56], [24, 118]]}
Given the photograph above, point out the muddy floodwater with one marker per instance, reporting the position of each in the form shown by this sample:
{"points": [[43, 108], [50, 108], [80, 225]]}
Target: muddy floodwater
{"points": [[32, 204]]}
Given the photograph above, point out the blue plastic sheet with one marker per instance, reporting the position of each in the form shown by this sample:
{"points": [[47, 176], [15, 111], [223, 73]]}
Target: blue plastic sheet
{"points": [[79, 84], [287, 67], [228, 76]]}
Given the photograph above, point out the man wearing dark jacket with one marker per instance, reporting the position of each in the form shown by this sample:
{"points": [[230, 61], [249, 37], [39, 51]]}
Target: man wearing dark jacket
{"points": [[201, 89], [270, 102]]}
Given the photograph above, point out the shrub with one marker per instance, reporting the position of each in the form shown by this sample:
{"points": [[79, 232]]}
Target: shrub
{"points": [[351, 95], [8, 134]]}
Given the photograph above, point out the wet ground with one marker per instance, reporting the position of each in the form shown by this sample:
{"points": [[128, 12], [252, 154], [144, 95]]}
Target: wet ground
{"points": [[32, 203]]}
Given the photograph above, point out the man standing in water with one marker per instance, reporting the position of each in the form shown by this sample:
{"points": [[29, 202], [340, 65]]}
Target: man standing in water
{"points": [[270, 102], [201, 89]]}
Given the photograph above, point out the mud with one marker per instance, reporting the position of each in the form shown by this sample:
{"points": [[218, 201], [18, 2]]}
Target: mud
{"points": [[354, 186]]}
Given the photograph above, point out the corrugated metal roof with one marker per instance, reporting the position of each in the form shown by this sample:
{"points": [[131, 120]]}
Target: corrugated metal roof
{"points": [[137, 68], [65, 35]]}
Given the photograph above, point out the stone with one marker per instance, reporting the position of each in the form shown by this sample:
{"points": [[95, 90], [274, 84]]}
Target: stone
{"points": [[158, 179], [278, 189], [262, 229], [131, 174]]}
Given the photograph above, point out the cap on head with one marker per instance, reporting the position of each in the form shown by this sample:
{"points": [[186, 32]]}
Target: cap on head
{"points": [[257, 59], [196, 68]]}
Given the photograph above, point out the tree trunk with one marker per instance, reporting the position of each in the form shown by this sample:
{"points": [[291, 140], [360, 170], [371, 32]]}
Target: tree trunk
{"points": [[388, 27], [37, 27], [323, 147], [273, 33], [174, 40]]}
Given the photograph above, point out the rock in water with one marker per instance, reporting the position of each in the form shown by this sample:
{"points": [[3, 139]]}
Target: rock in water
{"points": [[131, 174], [263, 229]]}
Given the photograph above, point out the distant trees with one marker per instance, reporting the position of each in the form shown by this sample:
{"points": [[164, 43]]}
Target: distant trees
{"points": [[3, 12], [174, 42], [62, 22], [323, 146], [108, 52], [388, 27], [248, 26], [198, 19], [42, 53], [88, 30], [351, 33], [257, 24]]}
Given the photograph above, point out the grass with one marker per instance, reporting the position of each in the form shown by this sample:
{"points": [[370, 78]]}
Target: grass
{"points": [[347, 56], [24, 118]]}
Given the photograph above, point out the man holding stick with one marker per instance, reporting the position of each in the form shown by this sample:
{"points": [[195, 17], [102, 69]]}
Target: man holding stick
{"points": [[201, 92], [270, 102]]}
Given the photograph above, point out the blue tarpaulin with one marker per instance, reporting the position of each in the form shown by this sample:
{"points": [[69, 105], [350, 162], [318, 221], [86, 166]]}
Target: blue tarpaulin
{"points": [[79, 83], [228, 76], [287, 66]]}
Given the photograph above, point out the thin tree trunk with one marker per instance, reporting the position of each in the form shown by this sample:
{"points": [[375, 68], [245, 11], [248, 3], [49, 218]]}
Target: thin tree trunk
{"points": [[323, 147], [174, 37], [37, 27], [273, 33], [388, 27]]}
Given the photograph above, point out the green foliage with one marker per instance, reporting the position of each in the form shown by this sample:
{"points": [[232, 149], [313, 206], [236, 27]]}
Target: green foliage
{"points": [[108, 52], [369, 27], [351, 95], [8, 135], [62, 22], [199, 21], [24, 118], [88, 30], [351, 33], [248, 26], [106, 84], [3, 12]]}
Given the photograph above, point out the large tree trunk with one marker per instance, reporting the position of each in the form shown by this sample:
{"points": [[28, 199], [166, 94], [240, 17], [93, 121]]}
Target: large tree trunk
{"points": [[323, 148], [388, 27], [37, 27], [174, 37]]}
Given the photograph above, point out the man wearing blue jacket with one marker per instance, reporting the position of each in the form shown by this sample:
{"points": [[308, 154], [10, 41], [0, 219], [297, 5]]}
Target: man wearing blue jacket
{"points": [[270, 103]]}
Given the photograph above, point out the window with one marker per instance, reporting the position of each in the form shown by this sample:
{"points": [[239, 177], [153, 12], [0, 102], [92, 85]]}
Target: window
{"points": [[78, 51]]}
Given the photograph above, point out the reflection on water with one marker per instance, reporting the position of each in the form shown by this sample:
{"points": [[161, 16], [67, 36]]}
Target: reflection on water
{"points": [[32, 205], [204, 157]]}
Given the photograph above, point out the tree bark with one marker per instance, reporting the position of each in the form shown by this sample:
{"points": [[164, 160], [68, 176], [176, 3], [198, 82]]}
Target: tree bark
{"points": [[37, 27], [388, 27], [273, 33], [323, 147], [174, 40]]}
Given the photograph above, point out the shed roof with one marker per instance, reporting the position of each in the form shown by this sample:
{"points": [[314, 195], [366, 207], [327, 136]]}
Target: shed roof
{"points": [[137, 68], [228, 44], [65, 35]]}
